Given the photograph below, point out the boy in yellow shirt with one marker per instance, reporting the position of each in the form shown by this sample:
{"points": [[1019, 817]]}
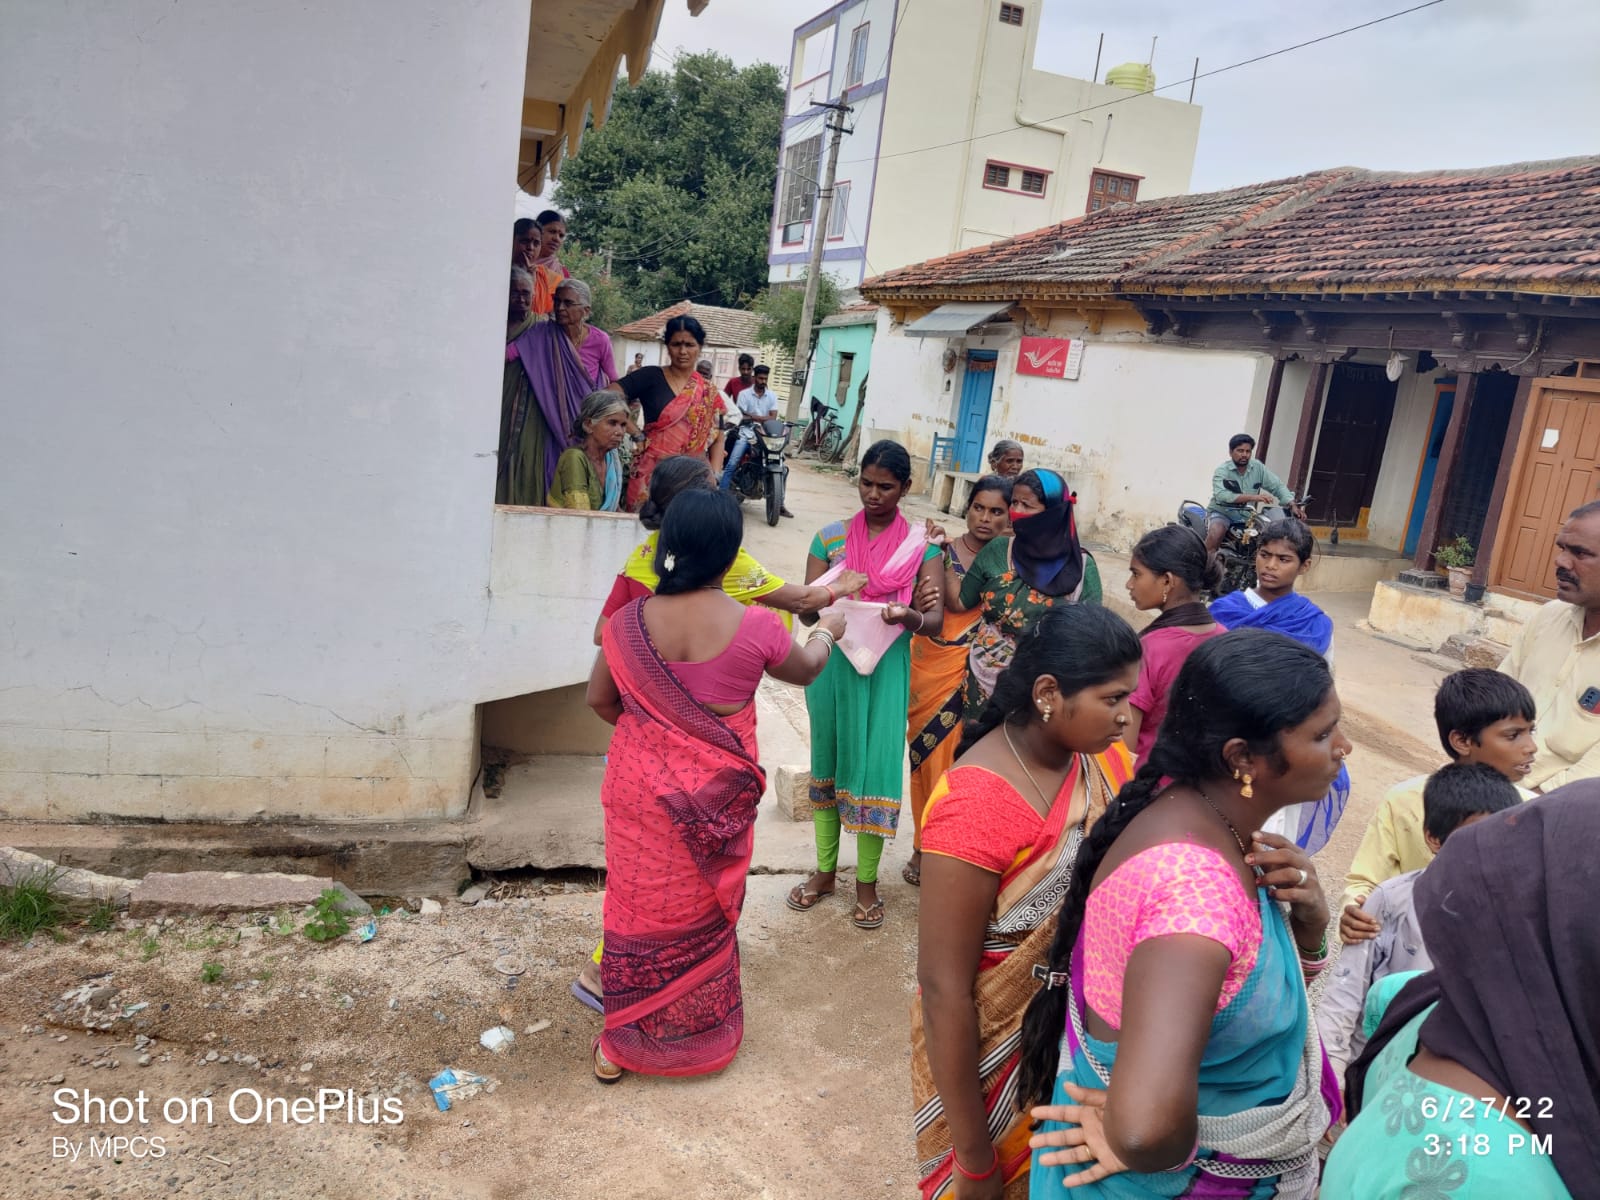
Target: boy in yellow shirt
{"points": [[1483, 716]]}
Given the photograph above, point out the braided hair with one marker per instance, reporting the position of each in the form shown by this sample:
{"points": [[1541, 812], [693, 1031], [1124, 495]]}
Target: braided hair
{"points": [[1081, 645], [1248, 684]]}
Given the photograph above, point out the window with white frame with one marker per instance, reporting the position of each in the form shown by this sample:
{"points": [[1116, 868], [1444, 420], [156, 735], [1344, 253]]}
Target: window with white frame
{"points": [[813, 56], [856, 72], [800, 163], [1011, 14], [839, 214]]}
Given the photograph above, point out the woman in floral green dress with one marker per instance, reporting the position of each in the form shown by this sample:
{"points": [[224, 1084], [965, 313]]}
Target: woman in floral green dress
{"points": [[1014, 579]]}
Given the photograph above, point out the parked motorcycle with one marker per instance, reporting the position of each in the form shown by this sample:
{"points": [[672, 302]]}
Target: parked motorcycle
{"points": [[1237, 554], [762, 473]]}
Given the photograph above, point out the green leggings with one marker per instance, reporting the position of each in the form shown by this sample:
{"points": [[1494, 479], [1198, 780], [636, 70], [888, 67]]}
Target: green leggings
{"points": [[869, 846]]}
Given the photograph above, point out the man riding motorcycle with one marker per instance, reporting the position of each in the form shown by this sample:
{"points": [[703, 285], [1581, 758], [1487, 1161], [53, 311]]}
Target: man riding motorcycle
{"points": [[757, 405], [1242, 480]]}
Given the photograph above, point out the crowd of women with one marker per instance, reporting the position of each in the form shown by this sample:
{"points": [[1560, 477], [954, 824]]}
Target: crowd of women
{"points": [[573, 433], [1119, 916]]}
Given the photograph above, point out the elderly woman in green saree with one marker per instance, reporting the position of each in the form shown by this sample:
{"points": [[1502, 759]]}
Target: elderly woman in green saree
{"points": [[589, 474]]}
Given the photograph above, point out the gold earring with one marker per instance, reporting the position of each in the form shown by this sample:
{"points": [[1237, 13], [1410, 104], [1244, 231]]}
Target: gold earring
{"points": [[1047, 711], [1247, 791], [1166, 592]]}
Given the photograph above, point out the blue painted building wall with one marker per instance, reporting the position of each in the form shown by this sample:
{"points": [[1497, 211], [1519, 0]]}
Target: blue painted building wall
{"points": [[833, 341]]}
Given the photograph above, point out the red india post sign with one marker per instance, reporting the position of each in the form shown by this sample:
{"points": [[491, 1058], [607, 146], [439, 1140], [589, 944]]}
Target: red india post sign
{"points": [[1044, 356]]}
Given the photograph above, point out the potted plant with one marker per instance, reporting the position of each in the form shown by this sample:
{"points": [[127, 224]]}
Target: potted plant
{"points": [[1456, 557]]}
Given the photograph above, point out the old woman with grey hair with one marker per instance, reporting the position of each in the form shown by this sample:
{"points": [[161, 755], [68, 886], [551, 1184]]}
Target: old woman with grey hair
{"points": [[1005, 460], [557, 364], [589, 475]]}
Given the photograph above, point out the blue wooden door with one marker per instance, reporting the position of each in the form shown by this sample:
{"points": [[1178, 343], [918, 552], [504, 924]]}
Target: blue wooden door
{"points": [[1430, 462], [972, 425]]}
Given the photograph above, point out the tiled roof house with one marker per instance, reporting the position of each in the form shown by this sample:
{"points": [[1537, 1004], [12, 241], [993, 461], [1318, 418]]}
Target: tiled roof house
{"points": [[1416, 325]]}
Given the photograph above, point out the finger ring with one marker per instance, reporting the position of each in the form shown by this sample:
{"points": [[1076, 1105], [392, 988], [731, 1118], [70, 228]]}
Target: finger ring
{"points": [[1303, 878]]}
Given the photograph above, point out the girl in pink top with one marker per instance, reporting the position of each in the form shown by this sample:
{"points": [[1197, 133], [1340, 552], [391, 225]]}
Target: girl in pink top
{"points": [[1170, 568]]}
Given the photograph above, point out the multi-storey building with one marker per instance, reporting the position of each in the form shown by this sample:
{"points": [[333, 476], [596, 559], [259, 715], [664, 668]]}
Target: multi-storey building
{"points": [[957, 139]]}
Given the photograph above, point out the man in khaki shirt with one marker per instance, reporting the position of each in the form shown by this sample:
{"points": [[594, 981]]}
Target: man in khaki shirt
{"points": [[1557, 658]]}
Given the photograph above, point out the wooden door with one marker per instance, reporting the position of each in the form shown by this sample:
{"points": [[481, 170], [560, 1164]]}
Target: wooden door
{"points": [[1557, 469], [972, 423], [1355, 426]]}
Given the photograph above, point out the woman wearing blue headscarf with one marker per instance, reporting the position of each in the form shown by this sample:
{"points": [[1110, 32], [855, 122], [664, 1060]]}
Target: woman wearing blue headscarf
{"points": [[1039, 567]]}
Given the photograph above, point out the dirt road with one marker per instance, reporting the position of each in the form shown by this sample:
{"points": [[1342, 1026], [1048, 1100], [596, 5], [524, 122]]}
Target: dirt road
{"points": [[817, 1103]]}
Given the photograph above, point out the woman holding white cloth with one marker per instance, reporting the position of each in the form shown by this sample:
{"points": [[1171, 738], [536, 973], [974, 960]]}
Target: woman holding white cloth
{"points": [[858, 720]]}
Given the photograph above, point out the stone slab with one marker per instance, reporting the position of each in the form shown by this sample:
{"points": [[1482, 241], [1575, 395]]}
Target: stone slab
{"points": [[385, 858], [210, 892], [75, 883]]}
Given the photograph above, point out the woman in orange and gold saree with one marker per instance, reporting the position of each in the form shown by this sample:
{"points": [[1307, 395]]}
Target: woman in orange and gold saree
{"points": [[1000, 836], [681, 408], [677, 676], [939, 663]]}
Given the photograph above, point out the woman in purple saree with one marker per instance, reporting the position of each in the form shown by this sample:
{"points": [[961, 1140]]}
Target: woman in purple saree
{"points": [[550, 367]]}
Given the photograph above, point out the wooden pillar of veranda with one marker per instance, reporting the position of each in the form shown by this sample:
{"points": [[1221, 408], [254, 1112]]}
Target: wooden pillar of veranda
{"points": [[1497, 498], [1269, 411], [1445, 472], [1305, 436]]}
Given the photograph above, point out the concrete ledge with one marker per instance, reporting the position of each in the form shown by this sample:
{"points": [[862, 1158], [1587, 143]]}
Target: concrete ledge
{"points": [[1432, 617], [370, 859], [1349, 572]]}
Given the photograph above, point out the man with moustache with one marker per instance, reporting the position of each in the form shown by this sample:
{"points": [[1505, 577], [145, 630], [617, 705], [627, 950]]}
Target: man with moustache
{"points": [[1557, 658]]}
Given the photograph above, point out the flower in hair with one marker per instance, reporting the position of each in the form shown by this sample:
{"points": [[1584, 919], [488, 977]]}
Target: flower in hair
{"points": [[670, 562]]}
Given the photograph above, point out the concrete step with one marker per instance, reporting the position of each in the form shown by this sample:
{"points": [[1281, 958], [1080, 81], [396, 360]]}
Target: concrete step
{"points": [[379, 859]]}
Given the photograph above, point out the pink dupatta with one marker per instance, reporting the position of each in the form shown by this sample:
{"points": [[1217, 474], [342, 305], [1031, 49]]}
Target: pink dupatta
{"points": [[890, 562]]}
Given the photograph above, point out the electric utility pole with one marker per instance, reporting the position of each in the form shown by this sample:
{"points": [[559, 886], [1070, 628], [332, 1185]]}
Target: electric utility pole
{"points": [[819, 239]]}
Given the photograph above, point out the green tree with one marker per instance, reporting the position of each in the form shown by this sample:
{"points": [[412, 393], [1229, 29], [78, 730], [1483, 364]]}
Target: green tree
{"points": [[779, 309], [678, 184], [613, 304]]}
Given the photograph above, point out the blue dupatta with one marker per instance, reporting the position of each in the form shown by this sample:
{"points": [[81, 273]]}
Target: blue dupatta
{"points": [[1257, 1056], [613, 485], [1294, 616], [1308, 825]]}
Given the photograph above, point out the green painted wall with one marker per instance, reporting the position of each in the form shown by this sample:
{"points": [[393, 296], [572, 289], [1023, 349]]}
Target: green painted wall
{"points": [[833, 341]]}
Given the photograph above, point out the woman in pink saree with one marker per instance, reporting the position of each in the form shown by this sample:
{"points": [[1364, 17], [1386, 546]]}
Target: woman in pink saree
{"points": [[677, 676], [681, 410]]}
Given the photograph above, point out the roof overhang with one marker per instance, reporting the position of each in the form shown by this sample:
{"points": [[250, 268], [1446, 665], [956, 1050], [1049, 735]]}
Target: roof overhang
{"points": [[952, 320], [574, 48]]}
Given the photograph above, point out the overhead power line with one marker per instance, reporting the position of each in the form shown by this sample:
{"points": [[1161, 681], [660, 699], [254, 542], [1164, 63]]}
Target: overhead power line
{"points": [[1177, 83]]}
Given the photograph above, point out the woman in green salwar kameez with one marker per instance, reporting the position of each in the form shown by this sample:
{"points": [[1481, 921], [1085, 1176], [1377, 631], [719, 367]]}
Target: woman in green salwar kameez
{"points": [[858, 722]]}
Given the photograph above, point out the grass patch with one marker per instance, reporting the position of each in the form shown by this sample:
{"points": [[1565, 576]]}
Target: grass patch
{"points": [[211, 972], [102, 917], [30, 905], [149, 948]]}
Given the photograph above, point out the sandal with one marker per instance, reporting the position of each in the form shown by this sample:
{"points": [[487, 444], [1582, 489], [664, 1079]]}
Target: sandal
{"points": [[605, 1071], [912, 874], [803, 899], [863, 918]]}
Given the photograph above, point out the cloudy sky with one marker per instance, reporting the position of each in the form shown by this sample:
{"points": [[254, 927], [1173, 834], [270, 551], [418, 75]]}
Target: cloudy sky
{"points": [[1463, 83]]}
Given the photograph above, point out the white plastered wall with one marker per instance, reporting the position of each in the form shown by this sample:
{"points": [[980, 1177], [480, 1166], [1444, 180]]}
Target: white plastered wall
{"points": [[250, 370], [1138, 432]]}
